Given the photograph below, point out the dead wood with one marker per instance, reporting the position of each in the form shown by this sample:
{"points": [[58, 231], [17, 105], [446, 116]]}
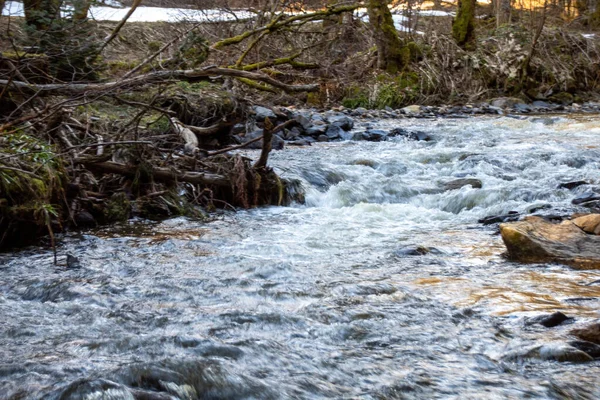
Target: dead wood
{"points": [[153, 78]]}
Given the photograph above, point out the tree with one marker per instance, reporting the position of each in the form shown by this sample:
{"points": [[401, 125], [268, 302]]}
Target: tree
{"points": [[391, 53], [463, 26], [503, 12]]}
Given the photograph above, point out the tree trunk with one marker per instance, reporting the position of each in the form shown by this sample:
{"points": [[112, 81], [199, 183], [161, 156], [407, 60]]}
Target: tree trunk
{"points": [[463, 26], [1, 6], [40, 14], [81, 9], [391, 55], [503, 11]]}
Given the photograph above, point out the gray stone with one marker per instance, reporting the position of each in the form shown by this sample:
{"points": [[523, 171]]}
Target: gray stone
{"points": [[341, 120], [316, 131], [263, 112], [334, 132], [374, 135], [585, 197]]}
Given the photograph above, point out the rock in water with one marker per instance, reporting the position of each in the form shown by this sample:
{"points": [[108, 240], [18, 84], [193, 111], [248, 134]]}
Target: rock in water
{"points": [[549, 321], [72, 261], [458, 183], [535, 240], [589, 223], [589, 333], [571, 185], [564, 353], [591, 348]]}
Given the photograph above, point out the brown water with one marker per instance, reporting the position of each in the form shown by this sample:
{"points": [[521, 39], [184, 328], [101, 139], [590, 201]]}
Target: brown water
{"points": [[317, 300]]}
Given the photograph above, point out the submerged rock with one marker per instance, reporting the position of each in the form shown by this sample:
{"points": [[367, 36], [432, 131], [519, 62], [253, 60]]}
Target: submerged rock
{"points": [[571, 185], [537, 240], [563, 352], [586, 197], [412, 135], [495, 219], [416, 251], [458, 183], [590, 348], [371, 135], [589, 333]]}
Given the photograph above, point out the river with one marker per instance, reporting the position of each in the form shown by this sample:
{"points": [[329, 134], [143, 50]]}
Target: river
{"points": [[322, 300]]}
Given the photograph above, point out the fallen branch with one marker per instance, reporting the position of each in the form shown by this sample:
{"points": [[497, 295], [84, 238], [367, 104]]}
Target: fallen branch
{"points": [[154, 77], [165, 175]]}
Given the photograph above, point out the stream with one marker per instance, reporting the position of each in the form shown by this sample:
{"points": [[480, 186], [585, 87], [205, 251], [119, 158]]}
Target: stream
{"points": [[382, 286]]}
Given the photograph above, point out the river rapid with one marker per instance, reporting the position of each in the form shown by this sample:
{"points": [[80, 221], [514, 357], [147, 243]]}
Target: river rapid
{"points": [[331, 299]]}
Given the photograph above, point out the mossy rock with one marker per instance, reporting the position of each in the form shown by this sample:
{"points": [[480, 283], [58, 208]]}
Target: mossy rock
{"points": [[563, 98]]}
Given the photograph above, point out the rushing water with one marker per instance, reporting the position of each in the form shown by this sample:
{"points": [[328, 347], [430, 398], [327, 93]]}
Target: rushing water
{"points": [[322, 300]]}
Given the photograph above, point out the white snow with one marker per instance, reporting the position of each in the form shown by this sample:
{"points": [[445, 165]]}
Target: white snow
{"points": [[145, 14], [154, 14]]}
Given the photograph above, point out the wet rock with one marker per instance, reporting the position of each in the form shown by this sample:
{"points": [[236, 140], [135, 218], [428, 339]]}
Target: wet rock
{"points": [[84, 219], [458, 183], [539, 104], [563, 352], [264, 112], [374, 135], [588, 347], [323, 138], [496, 219], [549, 321], [277, 142], [589, 333], [588, 223], [534, 209], [522, 107], [536, 240], [303, 121], [341, 120], [334, 132], [585, 197], [593, 205], [316, 130], [72, 261], [416, 251], [571, 185], [412, 135]]}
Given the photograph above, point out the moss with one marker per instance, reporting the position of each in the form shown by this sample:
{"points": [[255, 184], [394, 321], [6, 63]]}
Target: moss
{"points": [[117, 208], [562, 98], [463, 26]]}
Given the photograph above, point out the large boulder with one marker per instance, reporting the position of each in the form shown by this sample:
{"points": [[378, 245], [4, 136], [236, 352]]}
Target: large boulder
{"points": [[537, 240]]}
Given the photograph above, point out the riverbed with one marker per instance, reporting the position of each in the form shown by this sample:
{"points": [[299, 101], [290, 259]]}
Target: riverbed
{"points": [[382, 286]]}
